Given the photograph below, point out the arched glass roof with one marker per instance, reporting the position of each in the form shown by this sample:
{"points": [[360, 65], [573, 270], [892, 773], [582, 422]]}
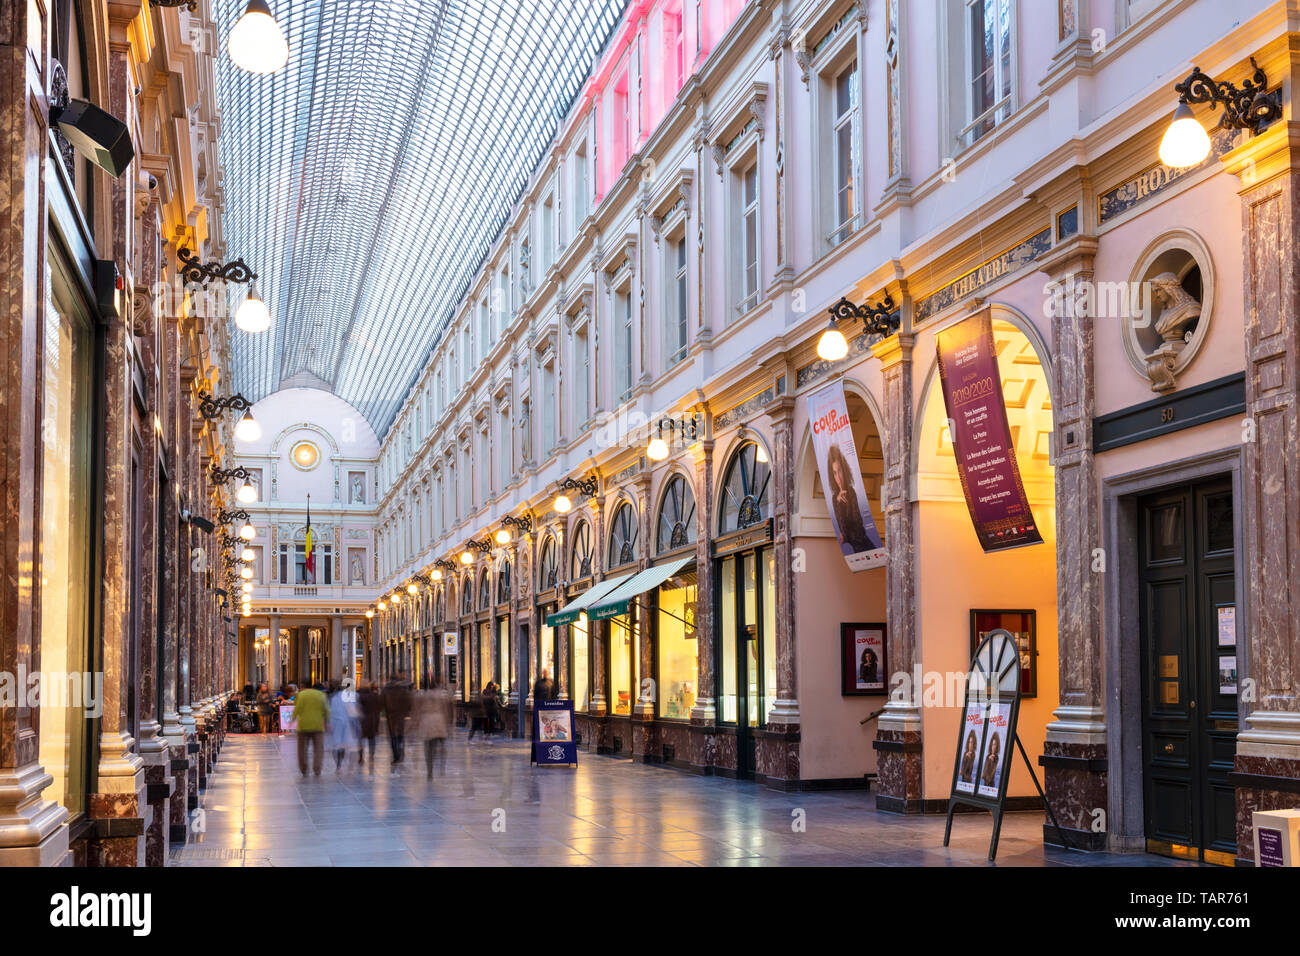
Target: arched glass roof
{"points": [[366, 180]]}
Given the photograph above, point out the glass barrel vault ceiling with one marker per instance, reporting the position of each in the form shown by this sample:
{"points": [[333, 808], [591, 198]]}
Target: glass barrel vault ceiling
{"points": [[365, 181]]}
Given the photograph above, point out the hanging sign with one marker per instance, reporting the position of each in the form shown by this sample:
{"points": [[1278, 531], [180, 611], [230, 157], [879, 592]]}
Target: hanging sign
{"points": [[846, 493], [450, 644], [553, 743], [981, 436]]}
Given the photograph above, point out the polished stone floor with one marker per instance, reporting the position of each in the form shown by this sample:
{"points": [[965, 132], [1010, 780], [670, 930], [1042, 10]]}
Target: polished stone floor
{"points": [[492, 809]]}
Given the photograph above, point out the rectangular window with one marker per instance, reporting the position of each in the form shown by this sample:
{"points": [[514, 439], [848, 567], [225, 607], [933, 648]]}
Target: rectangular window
{"points": [[485, 673], [623, 347], [846, 135], [548, 234], [749, 239], [622, 663], [988, 31], [579, 188], [727, 697], [678, 39], [677, 347], [548, 408], [679, 661], [581, 380], [66, 437], [579, 649]]}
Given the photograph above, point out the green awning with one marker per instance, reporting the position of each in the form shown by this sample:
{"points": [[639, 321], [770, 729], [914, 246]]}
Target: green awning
{"points": [[616, 602], [570, 612]]}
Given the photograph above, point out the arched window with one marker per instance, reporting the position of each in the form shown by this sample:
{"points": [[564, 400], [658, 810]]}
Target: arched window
{"points": [[503, 583], [676, 526], [622, 536], [548, 567], [484, 591], [580, 552], [746, 489], [437, 609], [467, 596]]}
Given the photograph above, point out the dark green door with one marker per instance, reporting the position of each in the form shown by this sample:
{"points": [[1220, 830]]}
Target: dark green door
{"points": [[1189, 681]]}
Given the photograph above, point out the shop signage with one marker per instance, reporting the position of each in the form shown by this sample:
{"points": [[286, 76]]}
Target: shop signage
{"points": [[743, 539], [1153, 181], [553, 743], [1013, 260], [846, 493], [981, 436], [1185, 408], [450, 644]]}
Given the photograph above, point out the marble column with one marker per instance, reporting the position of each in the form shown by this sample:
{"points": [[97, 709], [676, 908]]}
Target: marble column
{"points": [[175, 558], [273, 655], [31, 826], [646, 744], [777, 746], [336, 647], [704, 715], [1074, 748], [1267, 762], [898, 734], [118, 806]]}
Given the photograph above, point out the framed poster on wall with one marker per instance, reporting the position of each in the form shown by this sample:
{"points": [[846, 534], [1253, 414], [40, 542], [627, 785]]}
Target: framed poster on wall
{"points": [[863, 660], [1023, 627]]}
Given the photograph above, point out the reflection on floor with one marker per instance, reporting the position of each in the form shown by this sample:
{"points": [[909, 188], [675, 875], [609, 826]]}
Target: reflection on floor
{"points": [[492, 809]]}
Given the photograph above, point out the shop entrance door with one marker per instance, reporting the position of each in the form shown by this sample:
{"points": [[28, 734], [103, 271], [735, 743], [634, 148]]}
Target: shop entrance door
{"points": [[1187, 590], [746, 653]]}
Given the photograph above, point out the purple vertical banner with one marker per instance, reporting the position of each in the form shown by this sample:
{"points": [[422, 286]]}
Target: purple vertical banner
{"points": [[981, 437]]}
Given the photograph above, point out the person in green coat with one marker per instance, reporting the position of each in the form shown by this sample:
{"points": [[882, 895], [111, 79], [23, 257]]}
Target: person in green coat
{"points": [[311, 715]]}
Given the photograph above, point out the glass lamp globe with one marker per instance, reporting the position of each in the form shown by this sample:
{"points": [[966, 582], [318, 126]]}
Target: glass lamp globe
{"points": [[369, 613], [657, 450], [248, 554], [562, 504], [256, 43], [382, 606], [395, 598], [252, 314], [412, 589], [832, 346], [247, 494], [1185, 142], [247, 532], [436, 574], [503, 536], [248, 429], [246, 574], [246, 612], [466, 558]]}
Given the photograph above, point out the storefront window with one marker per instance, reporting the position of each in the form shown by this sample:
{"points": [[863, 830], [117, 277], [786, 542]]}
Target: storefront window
{"points": [[546, 651], [66, 430], [750, 584], [678, 647], [578, 640], [503, 653], [484, 654], [768, 577], [622, 659], [466, 648], [727, 602]]}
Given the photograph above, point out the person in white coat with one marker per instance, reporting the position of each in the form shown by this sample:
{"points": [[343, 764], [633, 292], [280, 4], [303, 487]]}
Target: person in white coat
{"points": [[343, 734]]}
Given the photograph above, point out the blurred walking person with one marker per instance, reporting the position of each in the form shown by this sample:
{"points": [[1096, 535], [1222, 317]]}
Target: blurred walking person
{"points": [[311, 717], [343, 724], [491, 708], [436, 715], [397, 707], [368, 703], [265, 703]]}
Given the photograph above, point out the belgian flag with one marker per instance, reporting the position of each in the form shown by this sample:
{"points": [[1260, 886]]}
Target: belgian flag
{"points": [[311, 556]]}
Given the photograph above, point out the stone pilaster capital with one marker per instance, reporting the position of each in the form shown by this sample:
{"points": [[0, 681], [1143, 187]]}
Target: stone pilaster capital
{"points": [[1073, 256], [1265, 156], [895, 349]]}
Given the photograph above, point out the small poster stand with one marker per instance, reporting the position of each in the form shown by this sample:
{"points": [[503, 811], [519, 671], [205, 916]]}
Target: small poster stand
{"points": [[982, 769], [553, 743]]}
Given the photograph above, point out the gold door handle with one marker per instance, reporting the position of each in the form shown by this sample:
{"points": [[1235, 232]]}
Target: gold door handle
{"points": [[1169, 748]]}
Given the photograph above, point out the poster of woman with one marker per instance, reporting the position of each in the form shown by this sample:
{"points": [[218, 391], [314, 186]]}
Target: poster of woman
{"points": [[973, 730], [846, 495], [995, 749], [862, 656]]}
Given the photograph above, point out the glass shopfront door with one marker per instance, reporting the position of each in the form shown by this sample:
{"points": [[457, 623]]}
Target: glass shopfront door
{"points": [[747, 647]]}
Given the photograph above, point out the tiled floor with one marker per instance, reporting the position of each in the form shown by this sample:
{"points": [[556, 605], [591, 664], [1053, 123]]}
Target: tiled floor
{"points": [[492, 808]]}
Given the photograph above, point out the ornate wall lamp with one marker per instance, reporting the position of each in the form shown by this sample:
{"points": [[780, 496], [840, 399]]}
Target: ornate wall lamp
{"points": [[247, 430], [252, 314], [583, 486], [226, 517], [1251, 107], [879, 319], [222, 475], [482, 547], [523, 524], [439, 567], [688, 428]]}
